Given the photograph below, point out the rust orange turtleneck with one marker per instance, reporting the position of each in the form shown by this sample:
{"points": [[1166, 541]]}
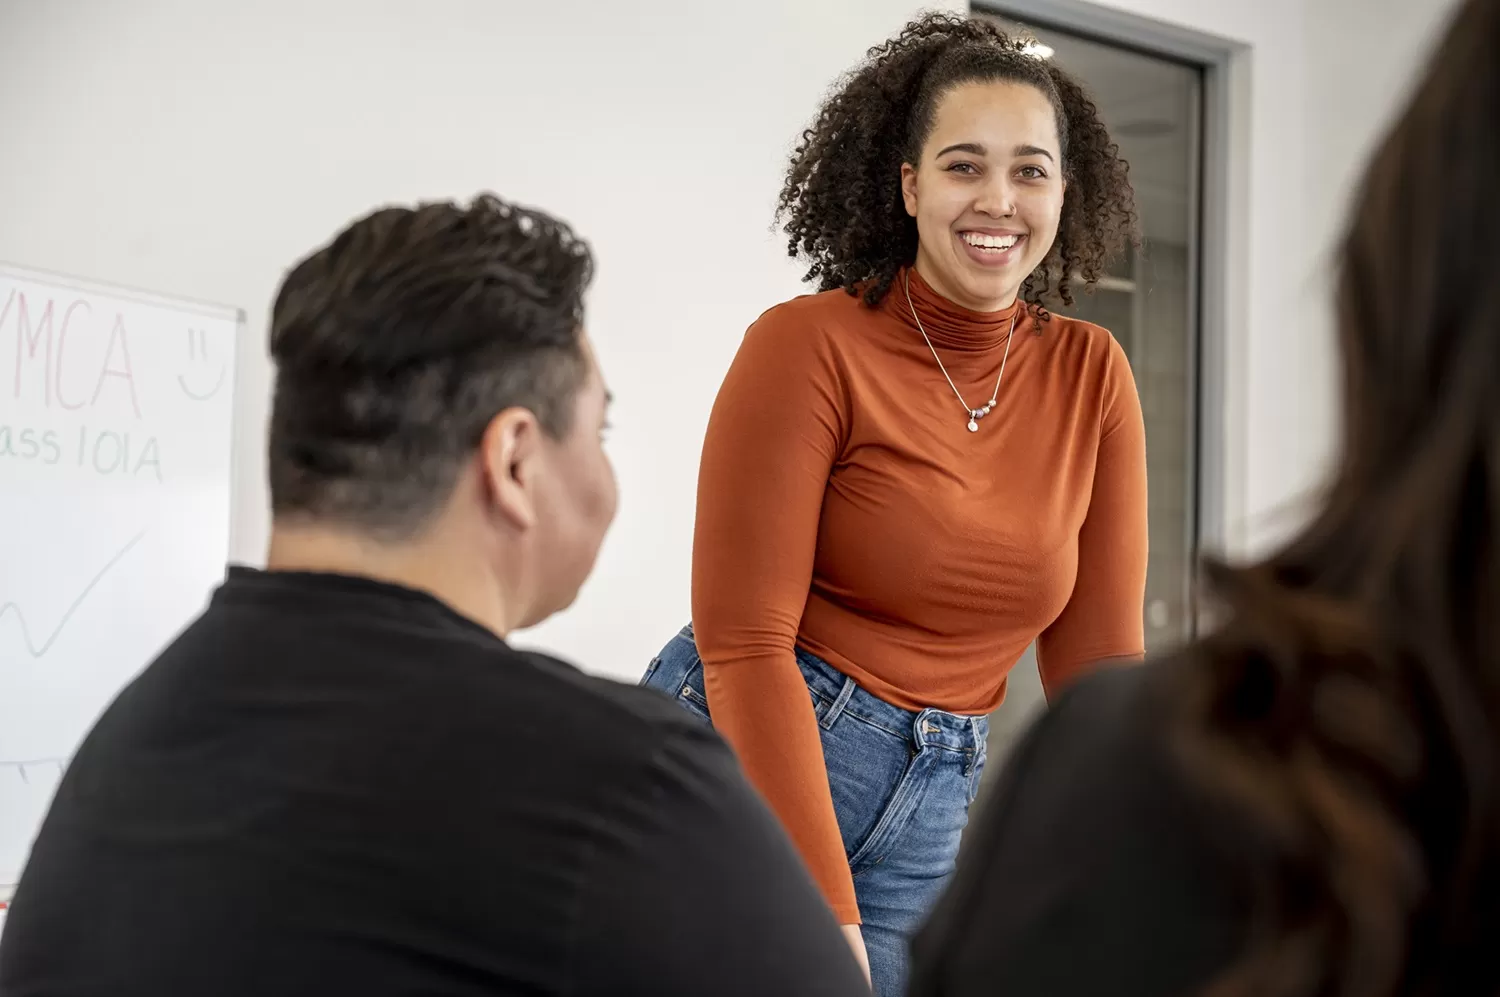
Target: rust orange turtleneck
{"points": [[844, 506]]}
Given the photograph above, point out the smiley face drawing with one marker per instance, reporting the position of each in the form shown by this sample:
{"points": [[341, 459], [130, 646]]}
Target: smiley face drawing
{"points": [[199, 359]]}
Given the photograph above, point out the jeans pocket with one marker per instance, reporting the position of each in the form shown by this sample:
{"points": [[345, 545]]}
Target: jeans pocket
{"points": [[678, 672], [976, 776], [866, 766], [695, 699]]}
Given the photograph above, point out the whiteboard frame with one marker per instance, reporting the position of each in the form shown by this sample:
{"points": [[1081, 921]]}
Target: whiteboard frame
{"points": [[208, 309], [141, 295]]}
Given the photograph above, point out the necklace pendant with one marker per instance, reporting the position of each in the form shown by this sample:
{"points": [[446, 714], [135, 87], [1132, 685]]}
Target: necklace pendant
{"points": [[973, 425]]}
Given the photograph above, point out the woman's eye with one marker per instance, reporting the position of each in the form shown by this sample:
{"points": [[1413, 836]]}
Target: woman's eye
{"points": [[967, 168], [1033, 173]]}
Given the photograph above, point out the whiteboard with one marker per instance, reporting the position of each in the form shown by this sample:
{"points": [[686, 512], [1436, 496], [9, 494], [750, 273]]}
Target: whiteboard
{"points": [[115, 436]]}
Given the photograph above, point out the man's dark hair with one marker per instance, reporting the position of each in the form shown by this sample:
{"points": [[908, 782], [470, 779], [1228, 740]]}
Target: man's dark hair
{"points": [[396, 345]]}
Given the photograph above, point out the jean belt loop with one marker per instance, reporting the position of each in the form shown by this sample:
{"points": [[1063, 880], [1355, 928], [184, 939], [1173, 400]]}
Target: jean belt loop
{"points": [[839, 702]]}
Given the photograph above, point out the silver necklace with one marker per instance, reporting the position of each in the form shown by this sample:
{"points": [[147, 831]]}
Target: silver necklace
{"points": [[975, 414]]}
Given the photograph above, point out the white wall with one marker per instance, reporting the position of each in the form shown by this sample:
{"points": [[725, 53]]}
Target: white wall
{"points": [[1314, 84], [198, 147], [1363, 58]]}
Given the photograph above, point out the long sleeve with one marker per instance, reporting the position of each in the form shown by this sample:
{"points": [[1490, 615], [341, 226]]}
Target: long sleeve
{"points": [[1103, 617], [772, 440], [709, 897]]}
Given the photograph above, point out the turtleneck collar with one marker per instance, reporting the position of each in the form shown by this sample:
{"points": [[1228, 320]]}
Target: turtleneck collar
{"points": [[947, 324]]}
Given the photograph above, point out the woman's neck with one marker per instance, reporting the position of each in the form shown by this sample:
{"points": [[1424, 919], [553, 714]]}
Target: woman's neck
{"points": [[936, 280], [914, 302]]}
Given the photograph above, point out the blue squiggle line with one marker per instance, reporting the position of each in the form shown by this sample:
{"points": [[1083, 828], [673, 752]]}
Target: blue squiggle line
{"points": [[37, 652], [195, 396]]}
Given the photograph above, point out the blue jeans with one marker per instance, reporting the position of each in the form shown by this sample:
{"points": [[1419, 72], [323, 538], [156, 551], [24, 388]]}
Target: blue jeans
{"points": [[902, 783]]}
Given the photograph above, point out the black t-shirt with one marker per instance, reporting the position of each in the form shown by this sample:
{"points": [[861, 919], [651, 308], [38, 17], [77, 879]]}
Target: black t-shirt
{"points": [[1090, 869], [1098, 866], [330, 785]]}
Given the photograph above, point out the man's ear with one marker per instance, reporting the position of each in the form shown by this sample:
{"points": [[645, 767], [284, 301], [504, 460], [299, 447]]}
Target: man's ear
{"points": [[508, 454]]}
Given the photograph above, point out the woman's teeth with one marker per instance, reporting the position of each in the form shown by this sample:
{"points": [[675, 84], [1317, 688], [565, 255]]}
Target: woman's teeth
{"points": [[997, 242]]}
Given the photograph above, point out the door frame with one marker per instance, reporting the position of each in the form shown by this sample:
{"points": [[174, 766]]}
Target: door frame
{"points": [[1219, 263]]}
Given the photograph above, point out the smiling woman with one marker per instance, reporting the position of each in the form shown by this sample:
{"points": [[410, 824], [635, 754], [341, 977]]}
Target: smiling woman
{"points": [[979, 239], [910, 477], [995, 99]]}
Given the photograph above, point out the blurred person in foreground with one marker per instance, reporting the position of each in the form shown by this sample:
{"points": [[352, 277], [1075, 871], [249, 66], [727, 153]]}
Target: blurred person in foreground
{"points": [[341, 779], [1306, 802]]}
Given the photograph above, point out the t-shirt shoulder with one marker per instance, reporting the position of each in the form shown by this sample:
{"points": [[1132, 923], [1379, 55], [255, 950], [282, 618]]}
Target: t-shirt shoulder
{"points": [[1105, 755], [1106, 716], [597, 717], [599, 706], [1093, 816]]}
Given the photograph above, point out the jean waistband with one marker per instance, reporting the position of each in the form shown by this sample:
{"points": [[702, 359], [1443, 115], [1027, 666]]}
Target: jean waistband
{"points": [[931, 726]]}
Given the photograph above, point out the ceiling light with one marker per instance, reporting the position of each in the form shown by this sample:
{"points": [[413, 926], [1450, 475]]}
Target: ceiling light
{"points": [[1038, 51]]}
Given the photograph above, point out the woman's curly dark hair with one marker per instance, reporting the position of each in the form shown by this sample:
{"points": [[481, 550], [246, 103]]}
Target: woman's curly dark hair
{"points": [[841, 204]]}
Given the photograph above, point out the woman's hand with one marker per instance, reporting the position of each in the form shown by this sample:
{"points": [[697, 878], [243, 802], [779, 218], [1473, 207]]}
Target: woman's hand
{"points": [[857, 943]]}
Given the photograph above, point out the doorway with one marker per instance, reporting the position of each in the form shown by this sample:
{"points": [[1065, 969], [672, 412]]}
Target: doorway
{"points": [[1153, 106]]}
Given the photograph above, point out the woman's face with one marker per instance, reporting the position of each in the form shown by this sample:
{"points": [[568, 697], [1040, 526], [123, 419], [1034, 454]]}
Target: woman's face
{"points": [[988, 193]]}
